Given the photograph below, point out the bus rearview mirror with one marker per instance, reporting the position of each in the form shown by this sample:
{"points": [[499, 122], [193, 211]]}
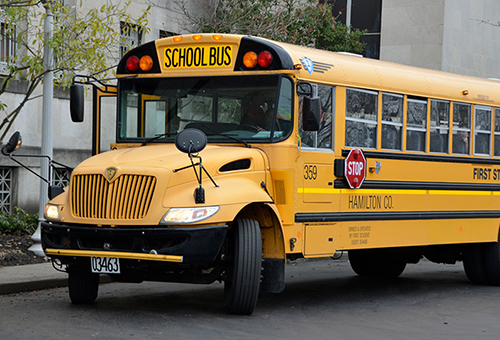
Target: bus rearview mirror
{"points": [[311, 113], [191, 141], [77, 102], [14, 143]]}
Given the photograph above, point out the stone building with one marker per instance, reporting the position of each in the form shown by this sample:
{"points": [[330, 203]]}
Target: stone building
{"points": [[451, 35]]}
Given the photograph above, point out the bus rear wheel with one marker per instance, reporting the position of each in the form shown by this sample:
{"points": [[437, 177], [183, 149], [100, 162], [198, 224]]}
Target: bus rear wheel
{"points": [[492, 261], [83, 284], [482, 263], [241, 287], [474, 259], [376, 263]]}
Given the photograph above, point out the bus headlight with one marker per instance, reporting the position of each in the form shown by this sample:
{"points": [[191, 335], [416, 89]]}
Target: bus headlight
{"points": [[188, 215], [52, 213]]}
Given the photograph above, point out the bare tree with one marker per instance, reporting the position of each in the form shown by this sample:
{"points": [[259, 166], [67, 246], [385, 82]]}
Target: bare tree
{"points": [[81, 41]]}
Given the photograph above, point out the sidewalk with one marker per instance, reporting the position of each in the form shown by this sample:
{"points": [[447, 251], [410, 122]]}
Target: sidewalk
{"points": [[16, 279]]}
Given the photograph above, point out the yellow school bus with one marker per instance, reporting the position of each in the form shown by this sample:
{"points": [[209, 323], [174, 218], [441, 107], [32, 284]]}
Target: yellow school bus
{"points": [[234, 154]]}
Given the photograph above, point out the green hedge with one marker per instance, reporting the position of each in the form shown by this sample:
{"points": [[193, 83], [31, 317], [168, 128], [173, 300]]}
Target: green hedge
{"points": [[18, 223]]}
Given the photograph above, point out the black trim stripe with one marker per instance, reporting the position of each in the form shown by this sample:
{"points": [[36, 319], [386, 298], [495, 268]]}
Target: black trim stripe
{"points": [[395, 185], [393, 216], [426, 157]]}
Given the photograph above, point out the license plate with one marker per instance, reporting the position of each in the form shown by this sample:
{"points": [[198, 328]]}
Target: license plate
{"points": [[105, 265]]}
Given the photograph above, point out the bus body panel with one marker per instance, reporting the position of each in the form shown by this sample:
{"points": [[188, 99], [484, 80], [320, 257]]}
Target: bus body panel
{"points": [[284, 188]]}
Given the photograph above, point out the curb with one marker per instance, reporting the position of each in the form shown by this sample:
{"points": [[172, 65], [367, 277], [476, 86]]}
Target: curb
{"points": [[18, 279]]}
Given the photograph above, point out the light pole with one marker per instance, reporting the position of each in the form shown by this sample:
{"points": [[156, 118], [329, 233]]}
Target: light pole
{"points": [[47, 124]]}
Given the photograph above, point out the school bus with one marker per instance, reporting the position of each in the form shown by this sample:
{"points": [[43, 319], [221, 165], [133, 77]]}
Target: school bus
{"points": [[234, 154]]}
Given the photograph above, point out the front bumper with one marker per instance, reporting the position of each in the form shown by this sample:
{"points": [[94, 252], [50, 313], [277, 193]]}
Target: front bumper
{"points": [[181, 245]]}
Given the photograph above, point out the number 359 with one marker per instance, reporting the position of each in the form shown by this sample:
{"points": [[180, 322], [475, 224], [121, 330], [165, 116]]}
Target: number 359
{"points": [[310, 171]]}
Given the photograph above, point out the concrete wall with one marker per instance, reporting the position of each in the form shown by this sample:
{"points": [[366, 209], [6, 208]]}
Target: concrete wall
{"points": [[447, 35], [412, 32], [471, 46]]}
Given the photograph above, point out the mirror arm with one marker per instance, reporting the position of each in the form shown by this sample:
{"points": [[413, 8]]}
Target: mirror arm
{"points": [[51, 164], [33, 172], [91, 80]]}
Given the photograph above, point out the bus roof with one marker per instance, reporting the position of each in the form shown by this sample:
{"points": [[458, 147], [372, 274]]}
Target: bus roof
{"points": [[327, 67]]}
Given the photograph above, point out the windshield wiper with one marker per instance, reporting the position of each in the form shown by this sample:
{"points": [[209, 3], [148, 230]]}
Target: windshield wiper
{"points": [[159, 136]]}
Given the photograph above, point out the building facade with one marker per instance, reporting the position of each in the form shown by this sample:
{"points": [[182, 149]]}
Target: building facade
{"points": [[451, 35]]}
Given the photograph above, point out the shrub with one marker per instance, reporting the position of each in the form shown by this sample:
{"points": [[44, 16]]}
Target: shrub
{"points": [[18, 223]]}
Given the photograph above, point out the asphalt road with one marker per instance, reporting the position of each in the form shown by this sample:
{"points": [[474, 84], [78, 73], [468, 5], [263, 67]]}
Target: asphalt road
{"points": [[322, 300]]}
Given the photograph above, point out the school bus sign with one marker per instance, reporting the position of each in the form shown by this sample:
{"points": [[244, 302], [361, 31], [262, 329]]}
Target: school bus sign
{"points": [[355, 168]]}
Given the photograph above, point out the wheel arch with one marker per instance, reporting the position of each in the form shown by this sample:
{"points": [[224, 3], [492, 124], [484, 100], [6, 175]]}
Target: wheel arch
{"points": [[273, 242], [273, 245]]}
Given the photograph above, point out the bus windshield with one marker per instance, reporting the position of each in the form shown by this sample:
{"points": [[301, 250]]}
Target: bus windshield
{"points": [[253, 108]]}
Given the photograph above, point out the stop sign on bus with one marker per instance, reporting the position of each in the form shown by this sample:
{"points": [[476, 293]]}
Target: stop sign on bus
{"points": [[355, 168]]}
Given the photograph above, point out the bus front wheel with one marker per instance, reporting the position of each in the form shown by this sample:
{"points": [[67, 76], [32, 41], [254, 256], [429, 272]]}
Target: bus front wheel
{"points": [[83, 285], [241, 286]]}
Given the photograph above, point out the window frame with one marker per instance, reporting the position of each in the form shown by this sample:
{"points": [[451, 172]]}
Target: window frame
{"points": [[480, 131], [362, 120], [440, 127], [416, 128], [390, 123]]}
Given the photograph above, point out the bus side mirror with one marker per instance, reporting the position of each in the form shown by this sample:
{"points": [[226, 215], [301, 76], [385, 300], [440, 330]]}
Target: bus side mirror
{"points": [[13, 144], [77, 102], [311, 113], [190, 141]]}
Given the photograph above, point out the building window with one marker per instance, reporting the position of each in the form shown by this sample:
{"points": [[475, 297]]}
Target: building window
{"points": [[130, 37], [363, 15], [6, 190], [7, 42]]}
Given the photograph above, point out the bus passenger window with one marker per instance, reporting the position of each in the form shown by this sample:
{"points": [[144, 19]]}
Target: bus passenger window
{"points": [[416, 124], [461, 128], [392, 121], [361, 118], [325, 126], [482, 130], [497, 132], [284, 120], [323, 137], [440, 122]]}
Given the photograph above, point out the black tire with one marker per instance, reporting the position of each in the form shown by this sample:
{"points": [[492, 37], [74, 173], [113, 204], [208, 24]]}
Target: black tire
{"points": [[376, 263], [475, 264], [83, 284], [241, 287], [492, 262], [360, 263]]}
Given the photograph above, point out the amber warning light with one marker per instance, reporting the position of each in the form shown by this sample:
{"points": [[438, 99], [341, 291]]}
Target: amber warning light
{"points": [[251, 59], [133, 63]]}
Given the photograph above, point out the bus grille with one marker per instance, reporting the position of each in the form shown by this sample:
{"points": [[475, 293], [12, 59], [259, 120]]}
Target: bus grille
{"points": [[128, 197]]}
